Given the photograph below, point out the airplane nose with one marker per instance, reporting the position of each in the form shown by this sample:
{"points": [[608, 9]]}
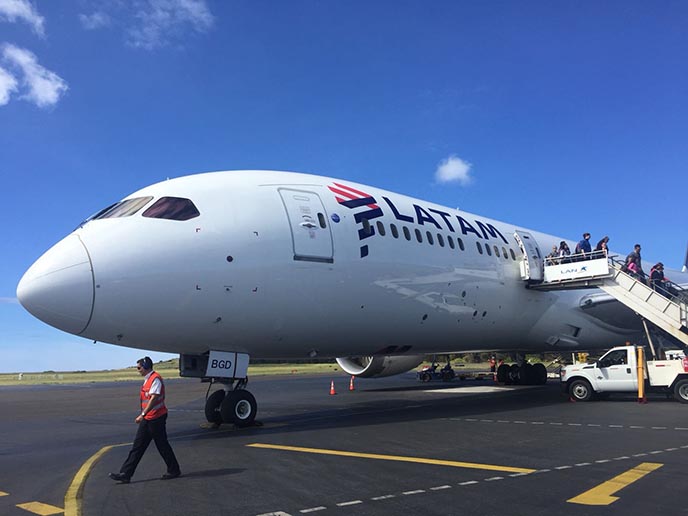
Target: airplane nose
{"points": [[58, 289]]}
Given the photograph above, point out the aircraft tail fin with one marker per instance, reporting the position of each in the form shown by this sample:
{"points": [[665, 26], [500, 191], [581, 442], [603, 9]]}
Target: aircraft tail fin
{"points": [[685, 261]]}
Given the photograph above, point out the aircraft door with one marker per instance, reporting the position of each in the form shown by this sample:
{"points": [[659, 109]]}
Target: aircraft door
{"points": [[533, 265], [310, 231]]}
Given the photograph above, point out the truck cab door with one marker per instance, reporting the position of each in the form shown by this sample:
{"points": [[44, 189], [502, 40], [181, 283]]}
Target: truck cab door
{"points": [[614, 372]]}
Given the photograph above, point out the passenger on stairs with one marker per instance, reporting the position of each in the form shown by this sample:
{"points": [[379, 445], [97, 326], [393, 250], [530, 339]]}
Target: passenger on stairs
{"points": [[601, 247], [583, 247], [635, 259], [553, 257], [564, 252]]}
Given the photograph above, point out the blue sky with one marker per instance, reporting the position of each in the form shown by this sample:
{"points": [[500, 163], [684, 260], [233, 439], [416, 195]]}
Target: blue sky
{"points": [[561, 116]]}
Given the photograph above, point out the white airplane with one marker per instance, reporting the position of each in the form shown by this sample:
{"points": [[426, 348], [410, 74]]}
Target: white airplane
{"points": [[224, 266]]}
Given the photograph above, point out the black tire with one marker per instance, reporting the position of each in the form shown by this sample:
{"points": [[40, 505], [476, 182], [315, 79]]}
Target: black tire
{"points": [[514, 376], [425, 377], [503, 373], [539, 374], [681, 391], [239, 408], [581, 390], [525, 375], [448, 376], [212, 407]]}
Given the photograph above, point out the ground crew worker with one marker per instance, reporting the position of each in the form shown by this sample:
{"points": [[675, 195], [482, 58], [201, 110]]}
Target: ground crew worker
{"points": [[493, 364], [152, 426]]}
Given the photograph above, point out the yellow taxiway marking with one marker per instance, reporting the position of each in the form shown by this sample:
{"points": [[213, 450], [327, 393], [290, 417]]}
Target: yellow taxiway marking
{"points": [[73, 496], [3, 493], [602, 494], [418, 460], [40, 508]]}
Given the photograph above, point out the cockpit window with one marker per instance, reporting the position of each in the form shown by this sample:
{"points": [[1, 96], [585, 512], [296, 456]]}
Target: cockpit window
{"points": [[124, 208], [172, 208]]}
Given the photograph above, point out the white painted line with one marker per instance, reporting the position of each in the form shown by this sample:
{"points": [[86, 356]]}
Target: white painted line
{"points": [[520, 422], [439, 488], [557, 424], [671, 449], [680, 428], [537, 423], [470, 482], [492, 479], [636, 427], [640, 455], [385, 497], [278, 513], [352, 502], [592, 424], [659, 427], [615, 426], [471, 419], [487, 420], [575, 424], [603, 461], [417, 491], [519, 474], [621, 458], [542, 471], [656, 452], [563, 467], [313, 509], [502, 421], [583, 464]]}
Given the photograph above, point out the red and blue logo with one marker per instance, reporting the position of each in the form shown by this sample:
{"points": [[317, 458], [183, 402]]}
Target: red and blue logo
{"points": [[354, 199]]}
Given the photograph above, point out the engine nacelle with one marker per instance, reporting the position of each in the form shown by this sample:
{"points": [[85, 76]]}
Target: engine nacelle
{"points": [[377, 367]]}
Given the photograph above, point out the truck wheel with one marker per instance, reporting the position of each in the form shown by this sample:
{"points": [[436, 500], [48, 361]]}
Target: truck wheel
{"points": [[681, 391], [425, 377], [212, 407], [580, 390]]}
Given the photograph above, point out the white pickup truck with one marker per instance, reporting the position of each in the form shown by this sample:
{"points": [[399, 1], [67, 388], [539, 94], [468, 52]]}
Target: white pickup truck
{"points": [[617, 371]]}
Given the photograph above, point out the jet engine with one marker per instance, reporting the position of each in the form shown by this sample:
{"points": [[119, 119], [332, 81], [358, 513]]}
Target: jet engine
{"points": [[377, 367]]}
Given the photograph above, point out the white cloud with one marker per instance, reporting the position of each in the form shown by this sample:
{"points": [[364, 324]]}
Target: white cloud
{"points": [[8, 84], [159, 21], [454, 170], [95, 21], [13, 10], [42, 87]]}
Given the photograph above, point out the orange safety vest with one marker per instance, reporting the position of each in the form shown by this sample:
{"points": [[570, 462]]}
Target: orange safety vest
{"points": [[159, 409]]}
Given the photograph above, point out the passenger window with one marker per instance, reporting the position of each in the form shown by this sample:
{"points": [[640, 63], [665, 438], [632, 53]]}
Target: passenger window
{"points": [[496, 250], [380, 228], [488, 250], [429, 237], [480, 247], [419, 236], [321, 219], [460, 241], [513, 256], [506, 256], [451, 241], [395, 231], [172, 208], [440, 240], [407, 233]]}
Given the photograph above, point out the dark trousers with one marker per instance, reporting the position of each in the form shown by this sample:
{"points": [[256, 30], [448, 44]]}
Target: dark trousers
{"points": [[153, 430]]}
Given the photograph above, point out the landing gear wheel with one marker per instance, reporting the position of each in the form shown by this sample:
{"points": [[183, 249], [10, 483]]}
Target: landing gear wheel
{"points": [[681, 391], [581, 390], [514, 375], [212, 407], [503, 373], [239, 407], [526, 375], [539, 374]]}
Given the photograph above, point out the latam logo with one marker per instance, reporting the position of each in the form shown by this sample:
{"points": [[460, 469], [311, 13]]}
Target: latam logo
{"points": [[355, 200]]}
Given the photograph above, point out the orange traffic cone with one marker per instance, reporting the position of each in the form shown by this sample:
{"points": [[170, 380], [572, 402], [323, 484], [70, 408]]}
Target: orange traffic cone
{"points": [[332, 391], [351, 384]]}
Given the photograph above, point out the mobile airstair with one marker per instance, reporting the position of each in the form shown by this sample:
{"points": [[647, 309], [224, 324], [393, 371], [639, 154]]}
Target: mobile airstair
{"points": [[664, 306]]}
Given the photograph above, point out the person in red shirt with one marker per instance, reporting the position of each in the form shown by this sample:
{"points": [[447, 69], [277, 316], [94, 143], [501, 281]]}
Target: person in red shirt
{"points": [[152, 426]]}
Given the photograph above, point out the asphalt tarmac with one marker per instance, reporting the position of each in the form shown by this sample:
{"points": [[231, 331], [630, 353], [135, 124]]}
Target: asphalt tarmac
{"points": [[392, 446]]}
